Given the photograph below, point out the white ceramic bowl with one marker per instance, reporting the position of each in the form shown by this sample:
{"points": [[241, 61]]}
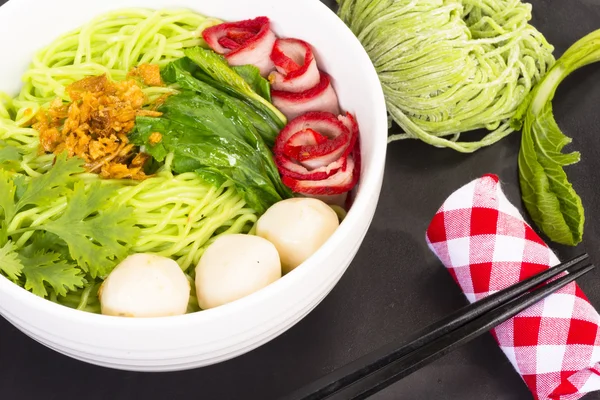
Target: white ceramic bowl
{"points": [[206, 337]]}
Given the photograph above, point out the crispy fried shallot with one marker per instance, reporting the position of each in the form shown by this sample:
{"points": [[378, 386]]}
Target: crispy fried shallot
{"points": [[95, 124]]}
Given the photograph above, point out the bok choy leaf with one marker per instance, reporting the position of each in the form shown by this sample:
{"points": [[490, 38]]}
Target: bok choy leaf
{"points": [[552, 202], [213, 134]]}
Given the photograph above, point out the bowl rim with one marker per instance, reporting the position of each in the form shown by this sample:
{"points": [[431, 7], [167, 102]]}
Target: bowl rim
{"points": [[369, 185]]}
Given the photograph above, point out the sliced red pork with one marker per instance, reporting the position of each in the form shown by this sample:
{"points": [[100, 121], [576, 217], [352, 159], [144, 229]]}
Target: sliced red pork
{"points": [[317, 154], [296, 66], [244, 42], [321, 97]]}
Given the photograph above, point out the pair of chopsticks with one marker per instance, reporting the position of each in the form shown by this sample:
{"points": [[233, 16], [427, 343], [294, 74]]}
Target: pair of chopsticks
{"points": [[374, 372]]}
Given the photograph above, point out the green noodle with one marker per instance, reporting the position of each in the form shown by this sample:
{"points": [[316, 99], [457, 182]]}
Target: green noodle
{"points": [[178, 215], [451, 66], [112, 43], [23, 138]]}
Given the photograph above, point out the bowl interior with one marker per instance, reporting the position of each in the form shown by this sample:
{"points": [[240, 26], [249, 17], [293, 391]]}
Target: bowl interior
{"points": [[36, 23]]}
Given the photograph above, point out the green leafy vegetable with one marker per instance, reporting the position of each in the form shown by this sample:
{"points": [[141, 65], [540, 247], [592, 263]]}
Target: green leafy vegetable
{"points": [[209, 138], [3, 233], [10, 264], [216, 67], [8, 153], [46, 241], [252, 76], [48, 267], [549, 198], [212, 133], [7, 195], [84, 232], [44, 189], [214, 75], [41, 190], [180, 73], [93, 232]]}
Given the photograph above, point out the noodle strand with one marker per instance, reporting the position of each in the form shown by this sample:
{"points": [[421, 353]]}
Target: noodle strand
{"points": [[178, 215], [451, 66]]}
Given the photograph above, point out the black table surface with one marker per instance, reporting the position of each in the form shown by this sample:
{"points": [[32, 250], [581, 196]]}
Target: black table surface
{"points": [[394, 286]]}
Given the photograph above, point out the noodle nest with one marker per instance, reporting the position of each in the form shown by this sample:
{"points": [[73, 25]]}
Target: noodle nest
{"points": [[451, 66]]}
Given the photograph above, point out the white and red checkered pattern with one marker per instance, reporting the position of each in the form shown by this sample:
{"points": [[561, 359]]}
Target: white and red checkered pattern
{"points": [[487, 246]]}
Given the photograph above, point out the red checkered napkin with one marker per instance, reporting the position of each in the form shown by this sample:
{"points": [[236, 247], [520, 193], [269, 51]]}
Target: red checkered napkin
{"points": [[487, 246]]}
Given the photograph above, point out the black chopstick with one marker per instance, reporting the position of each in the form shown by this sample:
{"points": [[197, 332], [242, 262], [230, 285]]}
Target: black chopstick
{"points": [[442, 346], [377, 370]]}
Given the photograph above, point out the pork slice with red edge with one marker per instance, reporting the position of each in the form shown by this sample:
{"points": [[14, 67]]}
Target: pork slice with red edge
{"points": [[350, 122], [341, 144], [296, 67], [314, 139], [321, 97], [299, 141], [303, 133], [315, 154], [295, 170], [244, 42], [316, 123], [340, 182]]}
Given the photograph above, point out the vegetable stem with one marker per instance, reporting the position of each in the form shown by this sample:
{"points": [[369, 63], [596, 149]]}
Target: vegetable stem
{"points": [[23, 230], [550, 199], [546, 89]]}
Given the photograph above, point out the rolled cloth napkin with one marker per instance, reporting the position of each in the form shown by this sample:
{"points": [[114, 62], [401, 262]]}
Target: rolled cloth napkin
{"points": [[487, 246]]}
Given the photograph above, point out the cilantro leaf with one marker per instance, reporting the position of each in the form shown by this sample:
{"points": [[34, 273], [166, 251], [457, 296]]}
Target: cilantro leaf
{"points": [[97, 232], [10, 264], [20, 182], [46, 241], [3, 232], [8, 153], [49, 267], [7, 195], [44, 189]]}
